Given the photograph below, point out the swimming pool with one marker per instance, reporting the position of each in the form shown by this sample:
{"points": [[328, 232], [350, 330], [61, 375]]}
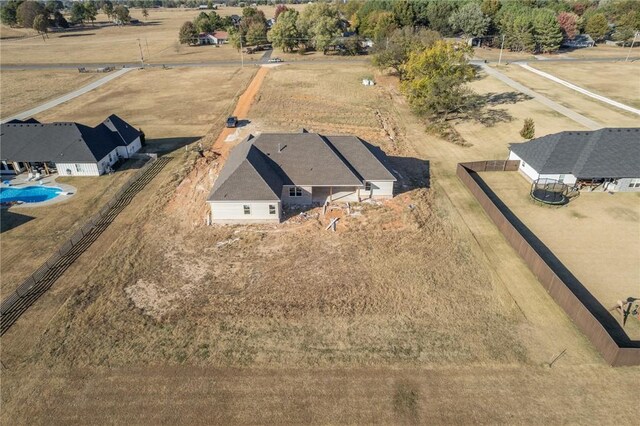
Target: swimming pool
{"points": [[29, 194]]}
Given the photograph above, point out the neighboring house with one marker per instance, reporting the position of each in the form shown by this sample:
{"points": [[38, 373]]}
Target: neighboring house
{"points": [[272, 170], [235, 20], [581, 40], [216, 38], [72, 149], [607, 157]]}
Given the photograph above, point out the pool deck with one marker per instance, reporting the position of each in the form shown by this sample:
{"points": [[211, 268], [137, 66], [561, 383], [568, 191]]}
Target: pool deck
{"points": [[20, 181]]}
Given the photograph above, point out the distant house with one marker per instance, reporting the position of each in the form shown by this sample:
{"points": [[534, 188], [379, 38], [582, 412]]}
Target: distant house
{"points": [[216, 38], [265, 172], [581, 40], [235, 19], [610, 157], [72, 149]]}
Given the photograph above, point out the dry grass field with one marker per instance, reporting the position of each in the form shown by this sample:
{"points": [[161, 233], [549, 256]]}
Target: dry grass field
{"points": [[414, 311], [158, 36], [29, 235], [23, 89], [586, 235], [181, 113], [605, 114], [619, 81]]}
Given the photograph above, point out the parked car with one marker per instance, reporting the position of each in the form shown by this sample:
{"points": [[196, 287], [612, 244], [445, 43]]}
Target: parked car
{"points": [[272, 60], [232, 121]]}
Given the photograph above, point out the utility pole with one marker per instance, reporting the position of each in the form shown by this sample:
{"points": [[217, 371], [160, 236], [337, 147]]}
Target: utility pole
{"points": [[632, 43], [141, 55], [147, 43], [501, 47]]}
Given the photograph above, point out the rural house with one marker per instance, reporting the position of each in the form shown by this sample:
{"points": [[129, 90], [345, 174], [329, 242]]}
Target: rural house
{"points": [[272, 170], [215, 38], [607, 157], [70, 148]]}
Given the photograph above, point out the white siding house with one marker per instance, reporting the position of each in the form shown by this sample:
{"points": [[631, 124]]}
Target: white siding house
{"points": [[245, 212], [608, 159], [74, 149], [267, 173]]}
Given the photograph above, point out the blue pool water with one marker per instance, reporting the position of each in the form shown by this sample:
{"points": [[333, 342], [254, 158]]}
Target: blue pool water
{"points": [[29, 194]]}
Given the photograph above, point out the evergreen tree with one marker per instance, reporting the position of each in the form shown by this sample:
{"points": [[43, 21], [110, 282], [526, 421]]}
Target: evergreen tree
{"points": [[528, 129], [597, 26], [547, 32], [470, 20]]}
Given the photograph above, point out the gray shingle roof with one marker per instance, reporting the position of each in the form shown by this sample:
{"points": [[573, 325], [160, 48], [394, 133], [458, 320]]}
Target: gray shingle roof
{"points": [[62, 142], [604, 153], [360, 156], [258, 167]]}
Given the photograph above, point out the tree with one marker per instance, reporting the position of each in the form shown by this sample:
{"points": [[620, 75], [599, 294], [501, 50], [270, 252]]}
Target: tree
{"points": [[516, 24], [256, 34], [435, 80], [121, 13], [203, 24], [528, 129], [403, 13], [107, 9], [8, 13], [27, 12], [284, 33], [395, 52], [188, 33], [59, 20], [490, 8], [547, 31], [90, 11], [281, 8], [568, 22], [54, 5], [237, 38], [41, 25], [77, 12], [438, 14], [145, 12], [320, 22], [597, 26], [470, 20]]}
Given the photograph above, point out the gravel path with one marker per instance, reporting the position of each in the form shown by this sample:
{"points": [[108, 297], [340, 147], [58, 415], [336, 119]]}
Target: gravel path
{"points": [[579, 118], [580, 89], [71, 95]]}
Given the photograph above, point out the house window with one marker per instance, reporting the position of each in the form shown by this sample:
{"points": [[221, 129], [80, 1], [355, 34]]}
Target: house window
{"points": [[295, 191], [367, 186], [635, 183], [272, 209], [247, 209]]}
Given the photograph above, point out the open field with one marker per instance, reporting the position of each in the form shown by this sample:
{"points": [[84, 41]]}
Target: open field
{"points": [[607, 115], [158, 36], [172, 103], [586, 235], [416, 307], [22, 90], [619, 81], [601, 51]]}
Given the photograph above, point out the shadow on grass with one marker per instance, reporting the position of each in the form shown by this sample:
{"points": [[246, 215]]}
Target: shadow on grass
{"points": [[165, 145], [10, 220]]}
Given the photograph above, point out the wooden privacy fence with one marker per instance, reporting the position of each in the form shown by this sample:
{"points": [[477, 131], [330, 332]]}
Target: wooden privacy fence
{"points": [[583, 308], [43, 278]]}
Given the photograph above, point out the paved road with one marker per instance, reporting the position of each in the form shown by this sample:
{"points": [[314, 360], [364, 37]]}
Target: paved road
{"points": [[68, 96], [248, 61], [580, 89], [579, 118]]}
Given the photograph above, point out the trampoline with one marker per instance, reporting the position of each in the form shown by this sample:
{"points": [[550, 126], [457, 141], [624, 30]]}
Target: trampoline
{"points": [[550, 191]]}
